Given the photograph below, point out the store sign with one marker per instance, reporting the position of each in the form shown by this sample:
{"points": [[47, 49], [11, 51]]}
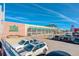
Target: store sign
{"points": [[76, 30], [13, 28]]}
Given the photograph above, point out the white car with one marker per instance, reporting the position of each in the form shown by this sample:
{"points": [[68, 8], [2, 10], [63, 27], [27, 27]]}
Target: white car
{"points": [[19, 46], [34, 49], [50, 36]]}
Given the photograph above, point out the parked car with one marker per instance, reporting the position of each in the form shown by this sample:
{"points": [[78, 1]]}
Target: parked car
{"points": [[34, 49], [75, 40], [19, 46], [56, 37], [50, 36], [66, 38]]}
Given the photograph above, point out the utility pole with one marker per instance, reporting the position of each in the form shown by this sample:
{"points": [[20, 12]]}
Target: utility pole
{"points": [[1, 19]]}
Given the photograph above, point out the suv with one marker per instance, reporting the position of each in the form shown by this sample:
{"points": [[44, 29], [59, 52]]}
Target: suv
{"points": [[66, 38]]}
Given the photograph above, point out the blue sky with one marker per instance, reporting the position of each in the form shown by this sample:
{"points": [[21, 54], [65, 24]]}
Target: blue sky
{"points": [[63, 15]]}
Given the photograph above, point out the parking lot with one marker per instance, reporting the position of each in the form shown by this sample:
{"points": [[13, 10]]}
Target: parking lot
{"points": [[54, 45]]}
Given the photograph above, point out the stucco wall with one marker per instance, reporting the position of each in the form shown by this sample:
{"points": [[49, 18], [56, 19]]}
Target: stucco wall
{"points": [[21, 29]]}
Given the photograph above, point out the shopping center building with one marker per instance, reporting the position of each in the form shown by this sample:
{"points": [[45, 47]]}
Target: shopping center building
{"points": [[24, 30]]}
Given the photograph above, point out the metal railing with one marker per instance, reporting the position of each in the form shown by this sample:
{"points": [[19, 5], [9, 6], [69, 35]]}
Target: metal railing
{"points": [[8, 49]]}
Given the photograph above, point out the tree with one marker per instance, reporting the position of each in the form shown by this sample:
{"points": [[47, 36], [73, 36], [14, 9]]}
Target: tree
{"points": [[52, 25]]}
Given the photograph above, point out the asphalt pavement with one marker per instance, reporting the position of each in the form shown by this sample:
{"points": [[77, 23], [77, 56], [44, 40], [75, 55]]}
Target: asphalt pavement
{"points": [[53, 45]]}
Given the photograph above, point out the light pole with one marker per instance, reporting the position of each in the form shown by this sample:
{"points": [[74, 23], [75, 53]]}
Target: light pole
{"points": [[2, 18]]}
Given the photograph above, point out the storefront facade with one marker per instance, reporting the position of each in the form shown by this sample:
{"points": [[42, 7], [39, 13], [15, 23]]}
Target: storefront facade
{"points": [[14, 29], [24, 30]]}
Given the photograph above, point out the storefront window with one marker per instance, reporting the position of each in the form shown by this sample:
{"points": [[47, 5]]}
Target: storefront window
{"points": [[33, 29]]}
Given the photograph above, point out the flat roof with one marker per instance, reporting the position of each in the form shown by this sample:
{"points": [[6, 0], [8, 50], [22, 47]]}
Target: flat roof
{"points": [[31, 25]]}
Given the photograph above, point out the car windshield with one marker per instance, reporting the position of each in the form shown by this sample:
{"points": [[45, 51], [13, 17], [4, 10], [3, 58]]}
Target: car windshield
{"points": [[29, 47], [68, 35], [27, 42], [21, 42]]}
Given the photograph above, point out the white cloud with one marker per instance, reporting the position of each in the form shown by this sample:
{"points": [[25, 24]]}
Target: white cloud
{"points": [[22, 19], [59, 14]]}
